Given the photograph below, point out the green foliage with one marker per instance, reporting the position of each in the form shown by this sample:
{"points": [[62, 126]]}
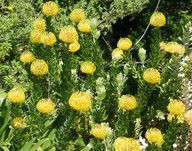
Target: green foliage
{"points": [[66, 128]]}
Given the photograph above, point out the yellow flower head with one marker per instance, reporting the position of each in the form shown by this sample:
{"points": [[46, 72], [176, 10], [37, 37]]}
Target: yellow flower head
{"points": [[127, 102], [73, 47], [152, 76], [9, 8], [118, 51], [180, 49], [16, 95], [179, 118], [124, 43], [154, 135], [171, 47], [68, 34], [162, 45], [39, 24], [18, 122], [50, 8], [84, 26], [126, 144], [36, 36], [39, 67], [176, 107], [99, 131], [45, 106], [80, 101], [27, 57], [157, 19], [88, 67], [77, 15], [188, 117], [48, 38]]}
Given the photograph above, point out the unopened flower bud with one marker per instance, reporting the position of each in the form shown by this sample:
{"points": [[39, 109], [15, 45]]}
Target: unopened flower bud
{"points": [[119, 77], [142, 54], [116, 57], [99, 81]]}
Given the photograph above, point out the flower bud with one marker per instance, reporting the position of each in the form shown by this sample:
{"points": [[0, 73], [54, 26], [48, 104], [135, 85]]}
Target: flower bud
{"points": [[116, 57], [93, 24], [142, 54], [120, 78], [99, 81]]}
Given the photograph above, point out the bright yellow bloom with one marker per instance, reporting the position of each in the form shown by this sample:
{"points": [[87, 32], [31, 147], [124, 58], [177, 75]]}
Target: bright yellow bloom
{"points": [[68, 34], [88, 67], [171, 47], [162, 45], [180, 49], [176, 107], [45, 105], [39, 24], [80, 101], [179, 118], [48, 38], [154, 135], [126, 144], [73, 47], [118, 51], [77, 15], [36, 36], [39, 67], [16, 95], [152, 76], [124, 43], [27, 57], [18, 122], [50, 8], [127, 102], [84, 26], [99, 131], [188, 117], [157, 19], [9, 8]]}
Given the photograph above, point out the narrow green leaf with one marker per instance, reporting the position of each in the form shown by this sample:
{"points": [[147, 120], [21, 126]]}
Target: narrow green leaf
{"points": [[50, 136], [34, 148], [27, 146], [4, 148]]}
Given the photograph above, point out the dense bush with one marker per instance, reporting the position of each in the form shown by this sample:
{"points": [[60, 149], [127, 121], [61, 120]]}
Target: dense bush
{"points": [[119, 79]]}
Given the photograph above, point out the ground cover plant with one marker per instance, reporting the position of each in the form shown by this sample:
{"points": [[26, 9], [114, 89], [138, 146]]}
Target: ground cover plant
{"points": [[96, 75]]}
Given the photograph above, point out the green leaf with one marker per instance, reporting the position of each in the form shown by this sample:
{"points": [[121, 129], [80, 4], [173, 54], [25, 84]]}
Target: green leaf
{"points": [[4, 148], [27, 146], [87, 148], [50, 136], [34, 148], [2, 95]]}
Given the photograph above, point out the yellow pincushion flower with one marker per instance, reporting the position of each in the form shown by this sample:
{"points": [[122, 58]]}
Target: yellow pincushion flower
{"points": [[18, 122], [152, 76], [99, 131], [39, 24], [127, 102], [162, 45], [36, 36], [73, 47], [188, 117], [16, 95], [9, 8], [118, 51], [154, 135], [45, 105], [77, 15], [68, 34], [171, 47], [80, 101], [39, 67], [48, 38], [157, 19], [27, 57], [126, 144], [50, 8], [88, 67], [124, 43], [176, 107], [84, 26], [179, 118], [180, 49]]}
